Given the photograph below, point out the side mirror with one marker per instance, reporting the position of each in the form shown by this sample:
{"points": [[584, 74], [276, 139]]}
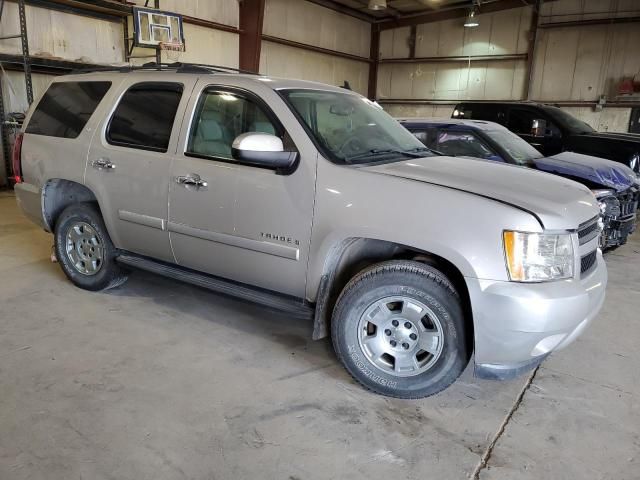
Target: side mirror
{"points": [[538, 127], [263, 150]]}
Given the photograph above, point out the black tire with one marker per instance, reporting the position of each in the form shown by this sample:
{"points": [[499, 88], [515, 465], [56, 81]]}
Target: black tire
{"points": [[414, 280], [110, 274]]}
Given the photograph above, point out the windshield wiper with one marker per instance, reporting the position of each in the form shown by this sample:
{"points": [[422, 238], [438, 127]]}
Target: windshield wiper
{"points": [[413, 153], [422, 149]]}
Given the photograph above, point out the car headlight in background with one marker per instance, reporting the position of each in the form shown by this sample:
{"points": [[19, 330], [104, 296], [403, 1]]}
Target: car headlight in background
{"points": [[609, 204], [538, 257]]}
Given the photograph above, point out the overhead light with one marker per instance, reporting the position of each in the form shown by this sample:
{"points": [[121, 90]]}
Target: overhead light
{"points": [[472, 20], [377, 4]]}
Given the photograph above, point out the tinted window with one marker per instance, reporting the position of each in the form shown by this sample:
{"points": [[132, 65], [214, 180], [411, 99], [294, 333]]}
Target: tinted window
{"points": [[66, 107], [462, 144], [144, 117], [570, 122], [220, 117], [480, 111], [521, 121]]}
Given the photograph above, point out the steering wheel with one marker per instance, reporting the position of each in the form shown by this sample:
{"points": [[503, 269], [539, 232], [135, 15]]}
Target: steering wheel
{"points": [[352, 145]]}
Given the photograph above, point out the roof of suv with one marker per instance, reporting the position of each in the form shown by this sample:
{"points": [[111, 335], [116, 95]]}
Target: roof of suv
{"points": [[149, 71], [476, 124]]}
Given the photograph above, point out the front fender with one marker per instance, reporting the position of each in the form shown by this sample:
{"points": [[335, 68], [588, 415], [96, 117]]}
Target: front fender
{"points": [[463, 228]]}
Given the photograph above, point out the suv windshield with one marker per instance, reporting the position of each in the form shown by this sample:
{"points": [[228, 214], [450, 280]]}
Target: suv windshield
{"points": [[351, 129], [518, 149], [568, 121]]}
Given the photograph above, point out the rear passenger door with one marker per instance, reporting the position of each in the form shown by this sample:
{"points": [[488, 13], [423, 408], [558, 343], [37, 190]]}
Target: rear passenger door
{"points": [[129, 161]]}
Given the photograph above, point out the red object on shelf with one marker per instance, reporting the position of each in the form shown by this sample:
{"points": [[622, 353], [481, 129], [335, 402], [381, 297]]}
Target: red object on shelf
{"points": [[626, 87]]}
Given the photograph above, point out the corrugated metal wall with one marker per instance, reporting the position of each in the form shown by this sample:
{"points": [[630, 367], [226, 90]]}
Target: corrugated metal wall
{"points": [[576, 63], [304, 22], [500, 33]]}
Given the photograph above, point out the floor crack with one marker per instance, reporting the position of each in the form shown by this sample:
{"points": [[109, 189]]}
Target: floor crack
{"points": [[486, 456]]}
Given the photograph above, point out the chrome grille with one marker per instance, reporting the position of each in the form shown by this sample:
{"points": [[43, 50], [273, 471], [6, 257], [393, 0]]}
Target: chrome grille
{"points": [[628, 205], [588, 262], [589, 230]]}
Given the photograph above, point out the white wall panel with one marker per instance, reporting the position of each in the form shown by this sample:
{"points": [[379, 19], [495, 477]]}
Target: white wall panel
{"points": [[63, 35], [423, 111], [15, 92], [476, 80], [582, 63], [283, 61], [206, 45], [573, 10], [305, 22], [499, 33]]}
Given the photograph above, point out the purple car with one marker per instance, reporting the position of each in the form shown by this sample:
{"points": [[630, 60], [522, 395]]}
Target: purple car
{"points": [[615, 185]]}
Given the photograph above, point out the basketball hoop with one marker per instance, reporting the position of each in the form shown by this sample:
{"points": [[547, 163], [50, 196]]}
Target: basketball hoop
{"points": [[173, 49]]}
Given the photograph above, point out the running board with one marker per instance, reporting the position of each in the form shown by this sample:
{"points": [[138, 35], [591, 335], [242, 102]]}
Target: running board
{"points": [[291, 305]]}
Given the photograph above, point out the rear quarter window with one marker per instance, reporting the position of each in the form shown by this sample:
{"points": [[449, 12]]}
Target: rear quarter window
{"points": [[65, 108]]}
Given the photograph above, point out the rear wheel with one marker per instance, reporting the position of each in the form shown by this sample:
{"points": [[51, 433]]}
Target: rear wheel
{"points": [[398, 328], [84, 249]]}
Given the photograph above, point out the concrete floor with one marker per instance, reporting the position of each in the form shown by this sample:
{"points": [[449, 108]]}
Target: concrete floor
{"points": [[159, 380]]}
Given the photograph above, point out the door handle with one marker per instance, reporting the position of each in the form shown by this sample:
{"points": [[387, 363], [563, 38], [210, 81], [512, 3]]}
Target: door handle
{"points": [[192, 180], [103, 163]]}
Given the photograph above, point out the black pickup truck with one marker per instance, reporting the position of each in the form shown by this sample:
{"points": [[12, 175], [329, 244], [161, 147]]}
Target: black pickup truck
{"points": [[551, 130]]}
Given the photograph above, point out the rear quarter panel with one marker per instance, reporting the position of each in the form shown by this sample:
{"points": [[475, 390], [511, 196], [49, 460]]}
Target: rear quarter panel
{"points": [[45, 158]]}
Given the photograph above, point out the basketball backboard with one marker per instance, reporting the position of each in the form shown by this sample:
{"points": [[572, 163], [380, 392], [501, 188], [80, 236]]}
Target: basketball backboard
{"points": [[152, 28]]}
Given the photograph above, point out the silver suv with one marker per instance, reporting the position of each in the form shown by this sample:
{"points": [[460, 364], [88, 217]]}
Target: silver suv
{"points": [[310, 199]]}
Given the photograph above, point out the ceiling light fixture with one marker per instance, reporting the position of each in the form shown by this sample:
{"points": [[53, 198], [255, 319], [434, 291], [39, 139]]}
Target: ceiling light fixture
{"points": [[377, 4], [471, 20]]}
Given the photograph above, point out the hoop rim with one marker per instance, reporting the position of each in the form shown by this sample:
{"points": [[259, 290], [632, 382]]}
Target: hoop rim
{"points": [[172, 46]]}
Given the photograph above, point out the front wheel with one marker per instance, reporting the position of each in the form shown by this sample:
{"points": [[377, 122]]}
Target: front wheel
{"points": [[398, 328]]}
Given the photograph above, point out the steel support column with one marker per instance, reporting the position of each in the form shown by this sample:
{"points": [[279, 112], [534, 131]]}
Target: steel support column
{"points": [[251, 20], [533, 39], [374, 57], [25, 51]]}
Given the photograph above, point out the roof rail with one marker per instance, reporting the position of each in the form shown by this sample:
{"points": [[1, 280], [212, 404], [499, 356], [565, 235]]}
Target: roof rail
{"points": [[178, 67]]}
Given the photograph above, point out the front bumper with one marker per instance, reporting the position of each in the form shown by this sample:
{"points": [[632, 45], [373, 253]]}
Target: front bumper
{"points": [[518, 324]]}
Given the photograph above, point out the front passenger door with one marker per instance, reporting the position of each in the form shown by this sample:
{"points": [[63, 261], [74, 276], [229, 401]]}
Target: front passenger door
{"points": [[241, 222]]}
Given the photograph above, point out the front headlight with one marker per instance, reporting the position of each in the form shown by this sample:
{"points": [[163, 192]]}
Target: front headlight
{"points": [[609, 204], [538, 257]]}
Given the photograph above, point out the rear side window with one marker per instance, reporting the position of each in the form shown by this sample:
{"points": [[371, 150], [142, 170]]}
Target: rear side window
{"points": [[144, 117], [65, 108]]}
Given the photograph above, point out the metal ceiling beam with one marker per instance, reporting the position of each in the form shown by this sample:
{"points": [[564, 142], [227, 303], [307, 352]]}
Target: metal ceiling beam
{"points": [[340, 8], [594, 21], [451, 13]]}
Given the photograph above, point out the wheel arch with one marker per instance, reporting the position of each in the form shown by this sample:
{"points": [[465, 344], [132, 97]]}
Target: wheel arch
{"points": [[352, 255], [58, 194]]}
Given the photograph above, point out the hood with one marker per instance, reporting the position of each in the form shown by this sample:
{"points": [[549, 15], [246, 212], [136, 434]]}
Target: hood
{"points": [[557, 202], [603, 172], [627, 137]]}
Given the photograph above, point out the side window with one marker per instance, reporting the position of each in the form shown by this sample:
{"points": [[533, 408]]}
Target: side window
{"points": [[521, 121], [65, 108], [428, 136], [220, 117], [144, 117], [479, 111], [462, 144]]}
